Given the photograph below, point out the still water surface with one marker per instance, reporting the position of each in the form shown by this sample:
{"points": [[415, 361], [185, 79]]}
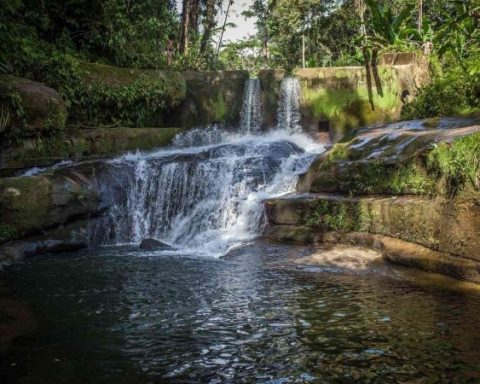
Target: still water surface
{"points": [[118, 315]]}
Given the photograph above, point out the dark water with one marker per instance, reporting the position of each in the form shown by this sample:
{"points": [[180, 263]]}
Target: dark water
{"points": [[119, 316]]}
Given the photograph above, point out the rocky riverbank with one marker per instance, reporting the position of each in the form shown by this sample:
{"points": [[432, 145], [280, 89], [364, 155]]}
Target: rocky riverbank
{"points": [[410, 190]]}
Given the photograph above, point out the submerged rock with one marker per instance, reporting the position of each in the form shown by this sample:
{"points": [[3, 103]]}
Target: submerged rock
{"points": [[154, 245], [18, 250]]}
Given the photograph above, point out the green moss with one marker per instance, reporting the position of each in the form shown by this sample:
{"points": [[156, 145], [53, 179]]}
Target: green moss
{"points": [[14, 119], [345, 216], [411, 178], [7, 232], [458, 165], [447, 169], [347, 109], [339, 151], [342, 96], [56, 119], [218, 107], [104, 95]]}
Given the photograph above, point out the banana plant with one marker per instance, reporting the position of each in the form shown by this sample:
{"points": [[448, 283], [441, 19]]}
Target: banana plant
{"points": [[460, 31], [387, 28]]}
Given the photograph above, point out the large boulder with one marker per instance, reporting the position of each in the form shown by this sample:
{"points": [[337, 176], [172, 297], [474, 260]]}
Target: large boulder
{"points": [[33, 108], [411, 190], [30, 205], [154, 245]]}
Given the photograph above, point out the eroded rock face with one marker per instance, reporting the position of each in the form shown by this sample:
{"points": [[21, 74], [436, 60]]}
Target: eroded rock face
{"points": [[45, 111], [438, 224]]}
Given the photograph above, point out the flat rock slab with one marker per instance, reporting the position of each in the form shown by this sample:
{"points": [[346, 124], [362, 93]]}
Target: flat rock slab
{"points": [[349, 257]]}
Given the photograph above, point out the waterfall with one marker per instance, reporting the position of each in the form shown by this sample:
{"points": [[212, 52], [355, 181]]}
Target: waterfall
{"points": [[251, 116], [288, 114], [204, 195]]}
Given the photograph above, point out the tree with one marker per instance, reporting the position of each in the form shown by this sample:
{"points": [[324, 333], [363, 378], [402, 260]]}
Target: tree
{"points": [[189, 25], [230, 3], [208, 24]]}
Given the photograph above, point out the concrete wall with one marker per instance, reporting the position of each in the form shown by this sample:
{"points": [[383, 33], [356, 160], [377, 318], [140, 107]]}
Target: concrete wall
{"points": [[212, 97], [338, 99], [350, 97]]}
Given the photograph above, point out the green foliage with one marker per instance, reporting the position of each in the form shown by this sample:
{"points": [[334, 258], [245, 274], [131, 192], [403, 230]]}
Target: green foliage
{"points": [[336, 216], [134, 33], [7, 233], [128, 105], [132, 103], [458, 164], [387, 27], [12, 114], [454, 92]]}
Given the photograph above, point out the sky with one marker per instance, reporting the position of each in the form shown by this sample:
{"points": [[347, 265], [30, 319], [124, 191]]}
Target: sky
{"points": [[245, 27]]}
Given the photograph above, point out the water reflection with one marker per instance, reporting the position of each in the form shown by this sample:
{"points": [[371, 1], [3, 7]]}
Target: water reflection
{"points": [[122, 316]]}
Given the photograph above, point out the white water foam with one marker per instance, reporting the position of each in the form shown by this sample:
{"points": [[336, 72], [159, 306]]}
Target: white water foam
{"points": [[204, 196], [288, 114], [251, 116]]}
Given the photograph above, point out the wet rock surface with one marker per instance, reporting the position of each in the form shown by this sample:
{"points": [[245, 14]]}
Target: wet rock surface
{"points": [[43, 107], [154, 245], [409, 189]]}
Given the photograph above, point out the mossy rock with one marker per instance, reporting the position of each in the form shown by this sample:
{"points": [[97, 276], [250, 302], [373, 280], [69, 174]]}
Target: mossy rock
{"points": [[82, 144], [403, 158], [212, 97], [107, 95], [29, 205], [33, 108], [448, 226]]}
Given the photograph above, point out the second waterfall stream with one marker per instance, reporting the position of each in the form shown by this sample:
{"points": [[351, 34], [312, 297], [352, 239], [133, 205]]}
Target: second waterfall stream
{"points": [[204, 195]]}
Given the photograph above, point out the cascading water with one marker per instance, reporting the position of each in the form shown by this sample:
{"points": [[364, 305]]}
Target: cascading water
{"points": [[251, 116], [288, 114], [204, 195]]}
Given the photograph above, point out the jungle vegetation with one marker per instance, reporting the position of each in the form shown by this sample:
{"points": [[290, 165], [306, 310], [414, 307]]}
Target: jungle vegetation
{"points": [[45, 39]]}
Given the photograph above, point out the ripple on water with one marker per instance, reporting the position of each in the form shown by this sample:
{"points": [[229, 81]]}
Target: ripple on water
{"points": [[112, 317]]}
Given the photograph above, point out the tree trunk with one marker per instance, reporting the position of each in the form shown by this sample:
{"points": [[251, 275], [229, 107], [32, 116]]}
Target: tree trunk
{"points": [[209, 24], [194, 10], [189, 24], [420, 16], [224, 26], [361, 8], [303, 50], [185, 26]]}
